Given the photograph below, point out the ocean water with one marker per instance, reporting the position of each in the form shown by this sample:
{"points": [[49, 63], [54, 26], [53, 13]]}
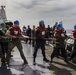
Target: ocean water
{"points": [[68, 31]]}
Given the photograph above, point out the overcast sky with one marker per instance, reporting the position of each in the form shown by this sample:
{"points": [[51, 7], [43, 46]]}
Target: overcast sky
{"points": [[30, 12]]}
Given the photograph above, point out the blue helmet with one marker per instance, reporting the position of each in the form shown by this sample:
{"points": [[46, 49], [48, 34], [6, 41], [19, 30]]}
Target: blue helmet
{"points": [[75, 26], [59, 25], [16, 22], [41, 22]]}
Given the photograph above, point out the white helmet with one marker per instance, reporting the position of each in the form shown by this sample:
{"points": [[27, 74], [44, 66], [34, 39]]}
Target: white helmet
{"points": [[60, 22]]}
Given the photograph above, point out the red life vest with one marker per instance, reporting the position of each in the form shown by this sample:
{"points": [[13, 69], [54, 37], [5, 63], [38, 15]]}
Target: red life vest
{"points": [[59, 31], [61, 35], [42, 31], [16, 31], [74, 34]]}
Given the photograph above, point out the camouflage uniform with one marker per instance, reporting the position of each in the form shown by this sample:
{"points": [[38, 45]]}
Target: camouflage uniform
{"points": [[15, 42], [59, 46]]}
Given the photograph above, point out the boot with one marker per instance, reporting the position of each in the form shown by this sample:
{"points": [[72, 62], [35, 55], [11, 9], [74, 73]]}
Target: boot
{"points": [[46, 60], [25, 62], [34, 62]]}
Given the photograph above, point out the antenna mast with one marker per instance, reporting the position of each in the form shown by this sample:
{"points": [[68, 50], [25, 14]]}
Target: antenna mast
{"points": [[2, 10]]}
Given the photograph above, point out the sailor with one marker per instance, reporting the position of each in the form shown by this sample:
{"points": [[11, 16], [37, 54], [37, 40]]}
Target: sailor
{"points": [[59, 38], [15, 32], [40, 42], [33, 31], [4, 41], [28, 33], [74, 49]]}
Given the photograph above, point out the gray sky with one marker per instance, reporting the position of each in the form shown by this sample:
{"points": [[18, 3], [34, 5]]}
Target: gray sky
{"points": [[30, 12]]}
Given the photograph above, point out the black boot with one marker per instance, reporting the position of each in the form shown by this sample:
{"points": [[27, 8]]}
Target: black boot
{"points": [[66, 60], [51, 60], [34, 62], [46, 60], [3, 59], [25, 62]]}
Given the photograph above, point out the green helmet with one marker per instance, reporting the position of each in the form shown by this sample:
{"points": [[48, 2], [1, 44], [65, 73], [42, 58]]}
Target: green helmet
{"points": [[3, 24]]}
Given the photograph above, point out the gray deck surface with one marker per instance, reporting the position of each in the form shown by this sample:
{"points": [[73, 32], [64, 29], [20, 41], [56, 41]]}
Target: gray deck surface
{"points": [[58, 67], [16, 67]]}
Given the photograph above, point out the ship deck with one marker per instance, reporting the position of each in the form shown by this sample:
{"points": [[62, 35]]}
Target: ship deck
{"points": [[59, 67]]}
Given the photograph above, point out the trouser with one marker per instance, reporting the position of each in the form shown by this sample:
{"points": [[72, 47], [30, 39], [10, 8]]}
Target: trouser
{"points": [[56, 50], [74, 51], [1, 54], [73, 54], [33, 43], [29, 40], [12, 44], [0, 51], [37, 46], [4, 46]]}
